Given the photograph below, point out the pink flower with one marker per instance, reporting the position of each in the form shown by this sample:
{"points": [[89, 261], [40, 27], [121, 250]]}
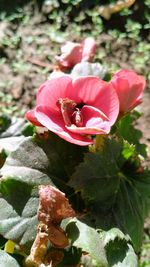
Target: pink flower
{"points": [[73, 53], [75, 109], [129, 87]]}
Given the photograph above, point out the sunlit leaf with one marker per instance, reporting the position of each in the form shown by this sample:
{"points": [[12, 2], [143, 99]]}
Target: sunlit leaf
{"points": [[6, 260], [36, 161], [9, 247], [128, 131], [115, 195], [119, 251], [84, 237]]}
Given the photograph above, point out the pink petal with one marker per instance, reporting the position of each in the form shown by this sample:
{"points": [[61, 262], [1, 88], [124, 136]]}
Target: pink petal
{"points": [[129, 87], [122, 89], [108, 102], [95, 92], [50, 91], [45, 114], [94, 121], [68, 47], [53, 121], [89, 49], [132, 77], [127, 96], [71, 54], [86, 89], [95, 118], [30, 115]]}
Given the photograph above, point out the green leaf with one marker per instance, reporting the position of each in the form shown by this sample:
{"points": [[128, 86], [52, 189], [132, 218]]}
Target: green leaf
{"points": [[9, 144], [112, 234], [3, 157], [28, 129], [126, 129], [115, 194], [6, 260], [2, 242], [15, 127], [132, 206], [131, 159], [120, 254], [62, 156], [23, 171], [71, 257], [85, 237], [128, 150], [99, 170], [118, 249], [18, 218], [35, 162], [130, 259], [5, 122]]}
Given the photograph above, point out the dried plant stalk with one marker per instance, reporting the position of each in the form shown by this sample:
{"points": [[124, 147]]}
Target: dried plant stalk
{"points": [[108, 10]]}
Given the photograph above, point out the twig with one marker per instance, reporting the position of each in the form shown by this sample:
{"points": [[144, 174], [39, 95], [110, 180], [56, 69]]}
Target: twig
{"points": [[40, 63], [108, 10]]}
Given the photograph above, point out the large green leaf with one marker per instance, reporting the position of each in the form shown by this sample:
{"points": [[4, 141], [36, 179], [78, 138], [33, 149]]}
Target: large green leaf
{"points": [[85, 237], [7, 261], [97, 176], [115, 196], [21, 175], [36, 161], [132, 206], [111, 248], [18, 219]]}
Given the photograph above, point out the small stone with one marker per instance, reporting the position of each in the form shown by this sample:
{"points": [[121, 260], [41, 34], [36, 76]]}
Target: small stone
{"points": [[17, 87]]}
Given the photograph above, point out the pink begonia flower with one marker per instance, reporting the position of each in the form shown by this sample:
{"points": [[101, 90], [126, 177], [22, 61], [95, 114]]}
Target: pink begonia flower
{"points": [[73, 53], [129, 87], [75, 109]]}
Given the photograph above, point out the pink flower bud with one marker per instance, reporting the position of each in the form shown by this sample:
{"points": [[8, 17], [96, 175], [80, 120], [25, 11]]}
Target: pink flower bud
{"points": [[73, 53], [129, 87]]}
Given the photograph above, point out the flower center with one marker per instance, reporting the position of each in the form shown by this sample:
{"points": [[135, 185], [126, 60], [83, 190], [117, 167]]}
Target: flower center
{"points": [[70, 111]]}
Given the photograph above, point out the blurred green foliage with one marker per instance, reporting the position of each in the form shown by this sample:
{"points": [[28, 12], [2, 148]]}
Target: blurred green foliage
{"points": [[79, 10], [84, 16]]}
